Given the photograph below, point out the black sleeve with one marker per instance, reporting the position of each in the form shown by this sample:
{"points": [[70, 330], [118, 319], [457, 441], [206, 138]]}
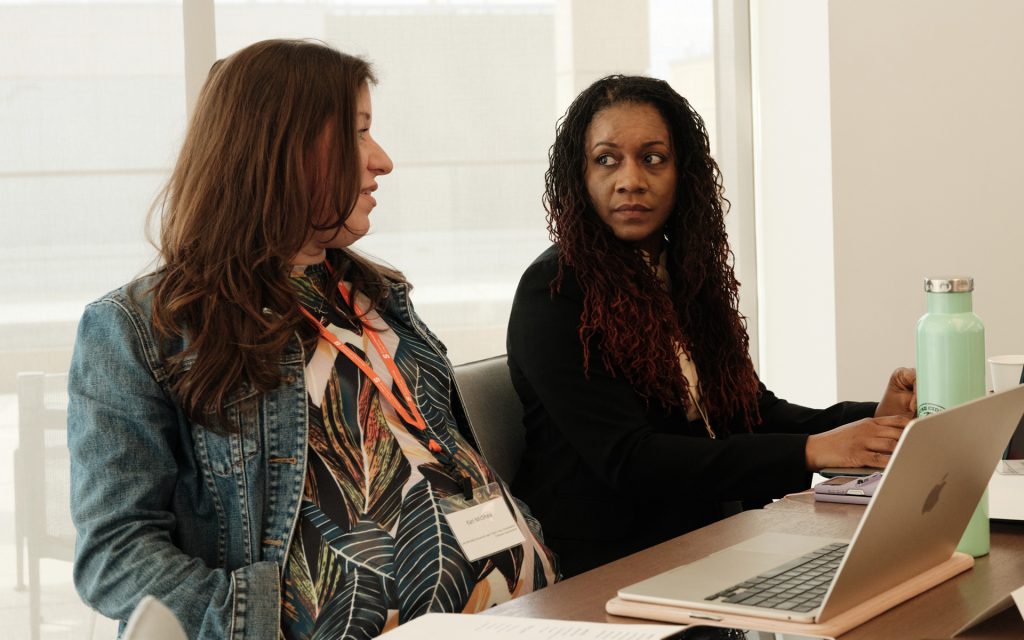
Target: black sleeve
{"points": [[605, 422], [779, 416]]}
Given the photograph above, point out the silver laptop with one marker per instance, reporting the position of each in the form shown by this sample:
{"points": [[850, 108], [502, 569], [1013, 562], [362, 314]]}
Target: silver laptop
{"points": [[1006, 489], [934, 480]]}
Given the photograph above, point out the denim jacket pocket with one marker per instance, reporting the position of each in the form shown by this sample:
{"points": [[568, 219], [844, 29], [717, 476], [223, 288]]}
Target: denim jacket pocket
{"points": [[227, 453]]}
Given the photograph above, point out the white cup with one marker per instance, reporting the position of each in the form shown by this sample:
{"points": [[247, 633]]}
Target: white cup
{"points": [[1006, 371]]}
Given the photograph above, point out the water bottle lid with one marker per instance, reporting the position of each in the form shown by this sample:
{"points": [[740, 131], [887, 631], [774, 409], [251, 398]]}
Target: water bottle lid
{"points": [[946, 284]]}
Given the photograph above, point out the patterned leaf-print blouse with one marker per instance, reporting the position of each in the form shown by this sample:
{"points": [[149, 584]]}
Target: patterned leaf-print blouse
{"points": [[371, 548]]}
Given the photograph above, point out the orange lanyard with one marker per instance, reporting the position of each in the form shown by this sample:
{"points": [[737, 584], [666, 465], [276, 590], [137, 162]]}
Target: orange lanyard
{"points": [[408, 412]]}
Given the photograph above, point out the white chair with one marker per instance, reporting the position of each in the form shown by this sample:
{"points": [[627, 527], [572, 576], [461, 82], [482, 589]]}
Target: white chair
{"points": [[152, 620], [42, 491], [495, 413]]}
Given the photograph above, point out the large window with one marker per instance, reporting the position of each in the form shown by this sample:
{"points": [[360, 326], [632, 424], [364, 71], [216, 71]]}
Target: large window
{"points": [[465, 107], [93, 109]]}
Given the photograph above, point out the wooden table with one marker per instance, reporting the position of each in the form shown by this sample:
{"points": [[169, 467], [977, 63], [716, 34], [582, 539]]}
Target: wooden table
{"points": [[937, 613]]}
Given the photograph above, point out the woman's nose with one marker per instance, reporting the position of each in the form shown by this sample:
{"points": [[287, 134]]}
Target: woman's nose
{"points": [[380, 162], [631, 178]]}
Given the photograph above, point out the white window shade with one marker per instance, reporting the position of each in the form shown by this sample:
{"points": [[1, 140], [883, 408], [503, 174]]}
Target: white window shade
{"points": [[91, 114]]}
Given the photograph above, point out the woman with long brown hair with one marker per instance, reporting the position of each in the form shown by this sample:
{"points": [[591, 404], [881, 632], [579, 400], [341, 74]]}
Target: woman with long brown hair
{"points": [[264, 435], [643, 410]]}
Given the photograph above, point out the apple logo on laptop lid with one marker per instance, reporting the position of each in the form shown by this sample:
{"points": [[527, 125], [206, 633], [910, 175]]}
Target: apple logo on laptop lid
{"points": [[933, 496]]}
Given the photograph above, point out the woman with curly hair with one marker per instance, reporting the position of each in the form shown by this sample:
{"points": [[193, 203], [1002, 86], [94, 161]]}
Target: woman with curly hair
{"points": [[626, 346]]}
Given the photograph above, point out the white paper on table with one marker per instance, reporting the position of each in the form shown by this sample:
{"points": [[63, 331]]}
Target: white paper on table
{"points": [[459, 626], [1018, 597]]}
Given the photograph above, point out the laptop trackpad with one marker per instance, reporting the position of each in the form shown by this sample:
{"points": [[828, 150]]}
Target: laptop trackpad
{"points": [[695, 581]]}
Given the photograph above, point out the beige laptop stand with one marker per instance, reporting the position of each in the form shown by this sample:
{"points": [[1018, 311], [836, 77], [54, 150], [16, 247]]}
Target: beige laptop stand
{"points": [[835, 626]]}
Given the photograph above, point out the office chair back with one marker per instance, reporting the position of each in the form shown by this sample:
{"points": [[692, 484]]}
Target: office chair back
{"points": [[495, 413]]}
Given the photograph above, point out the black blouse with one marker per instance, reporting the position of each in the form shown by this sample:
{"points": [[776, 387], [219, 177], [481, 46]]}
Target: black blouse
{"points": [[608, 474]]}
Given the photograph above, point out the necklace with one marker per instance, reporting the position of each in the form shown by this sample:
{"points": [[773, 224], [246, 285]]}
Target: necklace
{"points": [[308, 282], [700, 410], [320, 313]]}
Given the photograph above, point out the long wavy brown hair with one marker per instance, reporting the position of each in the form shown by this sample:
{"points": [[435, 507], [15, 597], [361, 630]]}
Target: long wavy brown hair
{"points": [[244, 196], [627, 312]]}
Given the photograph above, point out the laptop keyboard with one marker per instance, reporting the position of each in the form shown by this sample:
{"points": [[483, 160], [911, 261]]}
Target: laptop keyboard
{"points": [[799, 585]]}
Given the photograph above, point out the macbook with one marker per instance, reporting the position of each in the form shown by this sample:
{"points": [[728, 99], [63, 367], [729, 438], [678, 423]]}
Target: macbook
{"points": [[934, 480]]}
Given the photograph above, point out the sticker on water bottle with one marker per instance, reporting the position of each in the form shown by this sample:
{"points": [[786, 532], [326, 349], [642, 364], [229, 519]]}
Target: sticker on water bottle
{"points": [[928, 408]]}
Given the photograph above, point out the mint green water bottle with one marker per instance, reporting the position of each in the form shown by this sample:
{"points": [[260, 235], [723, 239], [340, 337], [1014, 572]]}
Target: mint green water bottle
{"points": [[951, 371]]}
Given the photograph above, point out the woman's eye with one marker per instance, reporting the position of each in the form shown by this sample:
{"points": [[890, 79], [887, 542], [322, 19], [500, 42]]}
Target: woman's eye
{"points": [[654, 158], [605, 160], [362, 133]]}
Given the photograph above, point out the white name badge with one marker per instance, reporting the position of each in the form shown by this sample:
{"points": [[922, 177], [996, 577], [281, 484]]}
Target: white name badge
{"points": [[484, 525]]}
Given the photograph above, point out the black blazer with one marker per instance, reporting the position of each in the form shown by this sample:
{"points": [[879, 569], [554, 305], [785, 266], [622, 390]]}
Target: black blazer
{"points": [[607, 474]]}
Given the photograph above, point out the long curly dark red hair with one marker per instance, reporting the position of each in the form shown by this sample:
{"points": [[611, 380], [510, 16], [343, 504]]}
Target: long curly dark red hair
{"points": [[627, 312]]}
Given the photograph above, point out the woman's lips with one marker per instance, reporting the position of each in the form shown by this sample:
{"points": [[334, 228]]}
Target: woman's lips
{"points": [[632, 206], [368, 192]]}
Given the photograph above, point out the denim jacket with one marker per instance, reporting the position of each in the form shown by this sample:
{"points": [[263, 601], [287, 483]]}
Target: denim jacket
{"points": [[168, 508]]}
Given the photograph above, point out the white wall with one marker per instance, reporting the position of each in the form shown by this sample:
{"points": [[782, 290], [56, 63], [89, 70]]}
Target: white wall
{"points": [[927, 140], [793, 184], [925, 129]]}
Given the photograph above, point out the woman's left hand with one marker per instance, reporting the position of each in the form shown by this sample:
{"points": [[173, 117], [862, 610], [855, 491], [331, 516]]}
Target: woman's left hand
{"points": [[900, 397]]}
